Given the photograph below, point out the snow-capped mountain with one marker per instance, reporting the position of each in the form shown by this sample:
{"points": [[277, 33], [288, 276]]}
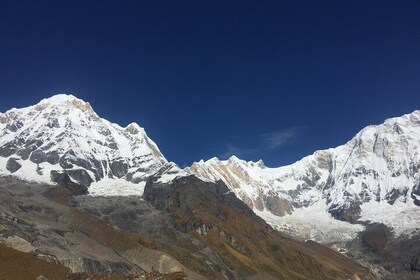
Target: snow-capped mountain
{"points": [[376, 172], [373, 177], [62, 140], [63, 134]]}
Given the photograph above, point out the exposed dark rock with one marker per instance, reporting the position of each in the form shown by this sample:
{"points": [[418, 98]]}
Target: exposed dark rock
{"points": [[312, 177], [12, 165], [53, 157], [278, 206], [414, 168], [39, 156], [394, 194], [66, 161], [96, 167], [119, 168], [330, 182], [53, 123], [8, 149], [81, 176], [295, 193], [349, 214], [364, 195], [26, 152], [398, 256], [69, 160], [39, 170], [185, 192], [112, 145], [14, 126], [376, 238], [129, 177], [63, 179], [398, 129], [415, 193]]}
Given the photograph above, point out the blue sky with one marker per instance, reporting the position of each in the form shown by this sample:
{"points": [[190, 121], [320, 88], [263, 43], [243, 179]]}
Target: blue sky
{"points": [[274, 80]]}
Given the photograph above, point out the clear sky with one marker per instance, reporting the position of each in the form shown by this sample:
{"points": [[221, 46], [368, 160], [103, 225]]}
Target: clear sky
{"points": [[275, 80]]}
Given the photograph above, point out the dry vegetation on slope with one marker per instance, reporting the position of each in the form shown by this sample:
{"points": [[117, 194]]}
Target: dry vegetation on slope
{"points": [[196, 229], [243, 240]]}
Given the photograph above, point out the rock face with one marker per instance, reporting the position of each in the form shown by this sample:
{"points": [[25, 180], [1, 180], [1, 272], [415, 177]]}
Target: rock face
{"points": [[376, 170], [200, 231], [397, 255], [165, 196], [63, 179], [58, 239], [64, 134], [244, 242], [12, 165]]}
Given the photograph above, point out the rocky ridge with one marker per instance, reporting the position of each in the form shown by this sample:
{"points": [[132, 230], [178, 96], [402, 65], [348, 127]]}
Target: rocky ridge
{"points": [[376, 171], [62, 139]]}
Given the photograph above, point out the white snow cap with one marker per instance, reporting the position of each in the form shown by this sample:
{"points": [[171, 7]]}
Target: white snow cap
{"points": [[379, 164], [64, 133]]}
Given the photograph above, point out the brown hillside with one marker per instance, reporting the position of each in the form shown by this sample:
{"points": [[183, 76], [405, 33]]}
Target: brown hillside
{"points": [[244, 240], [26, 266]]}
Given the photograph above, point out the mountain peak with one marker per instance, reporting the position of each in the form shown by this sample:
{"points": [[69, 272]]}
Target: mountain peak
{"points": [[65, 101], [61, 98], [260, 163], [379, 165], [408, 119], [63, 134], [234, 158], [133, 128]]}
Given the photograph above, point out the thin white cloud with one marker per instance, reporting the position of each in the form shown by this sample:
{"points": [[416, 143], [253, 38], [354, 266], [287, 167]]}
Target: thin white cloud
{"points": [[276, 139], [268, 142], [232, 150]]}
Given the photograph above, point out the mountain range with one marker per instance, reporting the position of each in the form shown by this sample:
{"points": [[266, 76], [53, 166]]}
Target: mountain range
{"points": [[76, 180], [374, 177]]}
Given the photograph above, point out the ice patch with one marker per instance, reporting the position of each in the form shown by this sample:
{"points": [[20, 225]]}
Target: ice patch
{"points": [[313, 223], [116, 187], [404, 218]]}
